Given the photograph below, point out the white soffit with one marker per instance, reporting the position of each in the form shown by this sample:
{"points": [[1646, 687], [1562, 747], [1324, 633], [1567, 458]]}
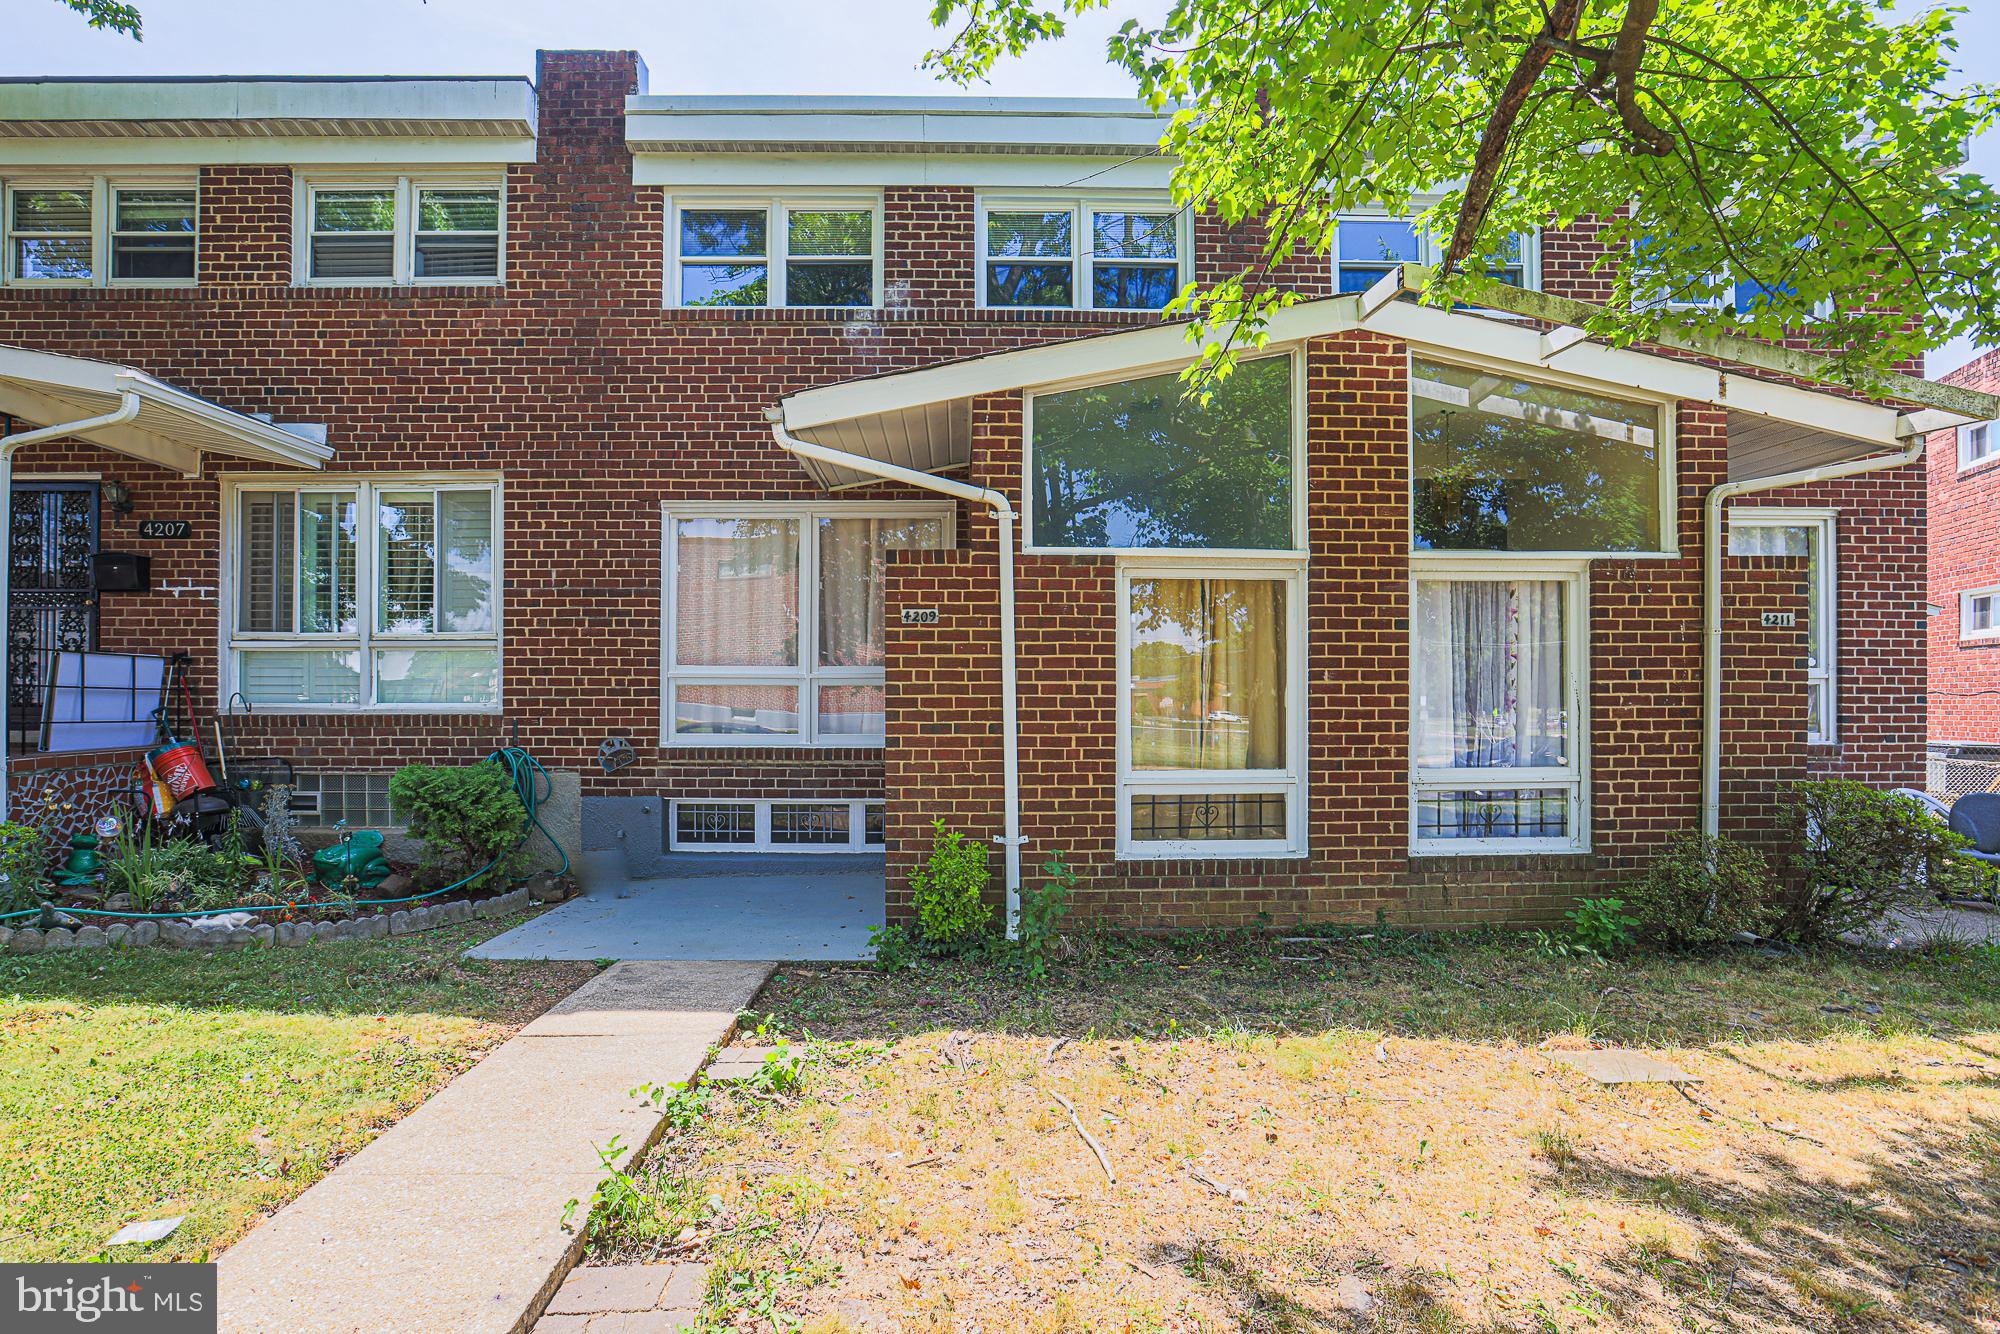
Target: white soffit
{"points": [[867, 413], [1068, 126], [174, 428], [873, 170], [85, 122]]}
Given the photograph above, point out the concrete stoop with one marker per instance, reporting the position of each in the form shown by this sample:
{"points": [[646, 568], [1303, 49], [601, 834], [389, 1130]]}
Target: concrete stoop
{"points": [[452, 1219]]}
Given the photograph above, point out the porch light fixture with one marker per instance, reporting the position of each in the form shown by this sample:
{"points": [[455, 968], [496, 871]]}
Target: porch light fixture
{"points": [[116, 496]]}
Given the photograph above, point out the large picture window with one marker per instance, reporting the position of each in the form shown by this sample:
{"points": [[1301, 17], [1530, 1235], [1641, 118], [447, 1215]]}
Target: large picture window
{"points": [[366, 594], [1136, 465], [1499, 463], [1809, 534], [1210, 712], [1497, 721], [774, 619]]}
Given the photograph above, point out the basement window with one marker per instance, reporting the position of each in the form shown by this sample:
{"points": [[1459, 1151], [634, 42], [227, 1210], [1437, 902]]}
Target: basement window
{"points": [[723, 825]]}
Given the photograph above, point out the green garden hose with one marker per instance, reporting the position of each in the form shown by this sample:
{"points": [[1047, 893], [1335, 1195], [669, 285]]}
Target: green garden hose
{"points": [[532, 784]]}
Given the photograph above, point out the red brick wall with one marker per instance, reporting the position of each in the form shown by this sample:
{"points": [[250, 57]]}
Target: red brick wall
{"points": [[1964, 552], [1764, 710], [1645, 687], [598, 405]]}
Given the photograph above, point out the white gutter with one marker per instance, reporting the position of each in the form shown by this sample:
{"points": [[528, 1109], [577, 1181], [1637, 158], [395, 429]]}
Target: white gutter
{"points": [[127, 409], [1003, 512], [1712, 558]]}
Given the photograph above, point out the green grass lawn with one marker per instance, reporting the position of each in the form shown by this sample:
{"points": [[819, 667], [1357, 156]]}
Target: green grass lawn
{"points": [[149, 1083]]}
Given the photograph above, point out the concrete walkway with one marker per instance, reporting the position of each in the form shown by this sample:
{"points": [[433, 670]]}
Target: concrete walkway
{"points": [[713, 907], [451, 1221]]}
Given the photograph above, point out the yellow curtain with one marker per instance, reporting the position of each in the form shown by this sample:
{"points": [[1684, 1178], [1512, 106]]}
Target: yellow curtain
{"points": [[1208, 674]]}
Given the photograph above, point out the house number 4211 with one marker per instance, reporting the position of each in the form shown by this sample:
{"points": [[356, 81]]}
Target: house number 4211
{"points": [[1783, 620]]}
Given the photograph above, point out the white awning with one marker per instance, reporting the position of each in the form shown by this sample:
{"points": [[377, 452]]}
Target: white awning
{"points": [[173, 429], [922, 419]]}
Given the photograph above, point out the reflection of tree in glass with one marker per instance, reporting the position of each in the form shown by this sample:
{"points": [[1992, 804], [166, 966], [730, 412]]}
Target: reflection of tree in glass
{"points": [[1138, 464], [1483, 481]]}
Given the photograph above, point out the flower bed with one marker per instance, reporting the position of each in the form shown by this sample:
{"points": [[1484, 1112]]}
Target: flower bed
{"points": [[192, 935]]}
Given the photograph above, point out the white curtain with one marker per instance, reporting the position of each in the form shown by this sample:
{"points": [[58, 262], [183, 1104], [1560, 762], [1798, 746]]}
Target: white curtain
{"points": [[1489, 674]]}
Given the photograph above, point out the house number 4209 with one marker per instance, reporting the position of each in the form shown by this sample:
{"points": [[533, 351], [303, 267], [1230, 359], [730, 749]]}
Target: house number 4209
{"points": [[920, 616]]}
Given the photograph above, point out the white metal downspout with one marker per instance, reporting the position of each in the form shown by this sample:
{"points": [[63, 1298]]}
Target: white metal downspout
{"points": [[1003, 512], [1712, 556], [128, 408]]}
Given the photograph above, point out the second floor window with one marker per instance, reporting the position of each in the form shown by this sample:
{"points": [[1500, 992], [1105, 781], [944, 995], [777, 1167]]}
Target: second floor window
{"points": [[403, 230], [1368, 246], [1079, 256], [97, 232], [774, 253]]}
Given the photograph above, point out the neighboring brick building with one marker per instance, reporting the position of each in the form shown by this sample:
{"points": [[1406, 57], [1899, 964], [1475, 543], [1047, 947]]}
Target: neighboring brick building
{"points": [[541, 345], [1965, 582]]}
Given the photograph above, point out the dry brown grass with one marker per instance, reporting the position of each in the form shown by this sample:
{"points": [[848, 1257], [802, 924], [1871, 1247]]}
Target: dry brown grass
{"points": [[1437, 1171]]}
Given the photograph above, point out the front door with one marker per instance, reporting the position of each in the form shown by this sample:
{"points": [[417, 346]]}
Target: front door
{"points": [[50, 602]]}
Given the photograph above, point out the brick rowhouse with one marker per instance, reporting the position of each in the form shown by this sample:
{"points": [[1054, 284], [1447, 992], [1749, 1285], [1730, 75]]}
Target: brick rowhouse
{"points": [[596, 403]]}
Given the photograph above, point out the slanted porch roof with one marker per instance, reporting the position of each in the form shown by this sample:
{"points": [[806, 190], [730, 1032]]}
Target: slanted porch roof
{"points": [[922, 419], [173, 428]]}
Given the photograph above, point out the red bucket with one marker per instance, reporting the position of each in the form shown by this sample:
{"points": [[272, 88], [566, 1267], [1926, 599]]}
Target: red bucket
{"points": [[179, 765]]}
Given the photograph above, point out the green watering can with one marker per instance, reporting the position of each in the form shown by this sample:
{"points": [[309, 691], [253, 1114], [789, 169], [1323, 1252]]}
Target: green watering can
{"points": [[358, 855]]}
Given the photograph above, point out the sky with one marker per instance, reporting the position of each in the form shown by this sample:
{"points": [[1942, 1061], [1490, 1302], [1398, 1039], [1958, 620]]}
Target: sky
{"points": [[746, 46]]}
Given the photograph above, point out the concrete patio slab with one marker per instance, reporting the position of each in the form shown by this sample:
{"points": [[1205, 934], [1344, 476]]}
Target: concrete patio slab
{"points": [[452, 1220], [800, 907]]}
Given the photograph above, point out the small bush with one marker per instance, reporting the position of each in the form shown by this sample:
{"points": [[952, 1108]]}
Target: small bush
{"points": [[466, 816], [1601, 926], [24, 861], [1859, 854], [947, 889], [1703, 891], [1042, 913], [894, 950]]}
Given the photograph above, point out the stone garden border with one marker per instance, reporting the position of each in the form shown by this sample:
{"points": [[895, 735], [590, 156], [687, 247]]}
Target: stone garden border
{"points": [[179, 934]]}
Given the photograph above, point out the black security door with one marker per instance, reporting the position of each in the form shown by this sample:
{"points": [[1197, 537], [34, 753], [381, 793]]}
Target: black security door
{"points": [[50, 603]]}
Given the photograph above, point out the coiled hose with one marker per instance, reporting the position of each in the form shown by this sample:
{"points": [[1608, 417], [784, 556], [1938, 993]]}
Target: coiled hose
{"points": [[532, 784]]}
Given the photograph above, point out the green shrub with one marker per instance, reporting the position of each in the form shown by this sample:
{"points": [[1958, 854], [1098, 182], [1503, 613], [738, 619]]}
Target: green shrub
{"points": [[1860, 853], [24, 861], [1704, 891], [950, 915], [894, 950], [1042, 913], [466, 816], [1601, 926]]}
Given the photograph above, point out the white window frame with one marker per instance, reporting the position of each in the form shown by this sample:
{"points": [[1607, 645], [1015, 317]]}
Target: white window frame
{"points": [[1965, 601], [1289, 781], [807, 674], [1298, 548], [1668, 443], [405, 186], [764, 822], [1966, 458], [1083, 235], [1574, 574], [366, 639], [102, 189], [1823, 678], [1429, 249], [777, 239]]}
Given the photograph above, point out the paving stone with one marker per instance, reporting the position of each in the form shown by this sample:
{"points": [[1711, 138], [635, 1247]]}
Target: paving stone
{"points": [[611, 1288], [562, 1324], [640, 1322], [1621, 1065], [686, 1288]]}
